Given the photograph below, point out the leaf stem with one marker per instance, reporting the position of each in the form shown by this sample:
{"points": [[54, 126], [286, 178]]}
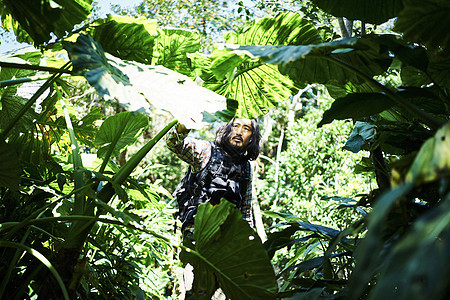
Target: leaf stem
{"points": [[4, 64]]}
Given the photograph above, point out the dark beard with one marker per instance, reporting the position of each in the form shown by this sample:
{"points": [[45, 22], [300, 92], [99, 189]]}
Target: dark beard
{"points": [[237, 153]]}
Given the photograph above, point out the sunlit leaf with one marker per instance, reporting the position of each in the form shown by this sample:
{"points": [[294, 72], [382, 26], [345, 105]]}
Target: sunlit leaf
{"points": [[433, 160], [110, 128], [137, 86], [256, 86], [171, 48], [127, 38], [320, 63]]}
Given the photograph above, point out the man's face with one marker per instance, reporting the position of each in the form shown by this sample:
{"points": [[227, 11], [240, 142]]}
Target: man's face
{"points": [[241, 132]]}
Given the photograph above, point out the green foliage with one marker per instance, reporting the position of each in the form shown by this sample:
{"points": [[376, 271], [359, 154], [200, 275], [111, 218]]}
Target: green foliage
{"points": [[313, 167], [35, 21], [376, 245], [228, 251], [126, 125]]}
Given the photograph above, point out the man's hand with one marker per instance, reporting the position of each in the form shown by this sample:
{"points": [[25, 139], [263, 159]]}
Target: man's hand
{"points": [[181, 128]]}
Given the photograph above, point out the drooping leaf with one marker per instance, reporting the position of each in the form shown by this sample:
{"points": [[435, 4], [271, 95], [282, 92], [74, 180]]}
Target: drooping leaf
{"points": [[40, 19], [356, 106], [362, 134], [9, 168], [321, 63], [433, 160], [127, 38], [110, 128], [414, 21], [369, 11], [340, 91], [137, 86], [231, 252]]}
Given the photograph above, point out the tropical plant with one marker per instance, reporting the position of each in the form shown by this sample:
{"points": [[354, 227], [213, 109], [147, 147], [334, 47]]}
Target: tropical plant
{"points": [[52, 205]]}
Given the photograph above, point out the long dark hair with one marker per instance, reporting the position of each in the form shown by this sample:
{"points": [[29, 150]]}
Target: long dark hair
{"points": [[253, 147]]}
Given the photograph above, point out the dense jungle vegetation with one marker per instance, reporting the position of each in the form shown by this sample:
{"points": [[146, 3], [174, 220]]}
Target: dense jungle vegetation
{"points": [[352, 194]]}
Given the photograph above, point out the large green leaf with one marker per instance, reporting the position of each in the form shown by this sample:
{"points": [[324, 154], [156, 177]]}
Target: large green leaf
{"points": [[433, 160], [231, 251], [172, 46], [325, 62], [137, 86], [128, 126], [258, 87], [369, 11], [41, 18], [284, 29], [127, 38], [426, 21], [140, 40]]}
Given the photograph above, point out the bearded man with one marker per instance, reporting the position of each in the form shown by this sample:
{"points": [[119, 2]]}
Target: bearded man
{"points": [[216, 170]]}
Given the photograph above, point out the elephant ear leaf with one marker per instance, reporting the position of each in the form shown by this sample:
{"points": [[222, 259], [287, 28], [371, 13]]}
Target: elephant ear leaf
{"points": [[256, 86], [134, 39], [325, 62], [138, 87], [227, 250]]}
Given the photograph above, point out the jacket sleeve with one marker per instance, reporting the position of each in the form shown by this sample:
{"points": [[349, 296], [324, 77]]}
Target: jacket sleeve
{"points": [[195, 152]]}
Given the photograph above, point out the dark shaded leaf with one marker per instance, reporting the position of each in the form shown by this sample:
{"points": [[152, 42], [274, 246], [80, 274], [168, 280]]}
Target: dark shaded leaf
{"points": [[40, 19], [433, 160], [369, 11], [356, 106], [362, 134], [9, 168], [418, 265], [368, 254], [425, 21]]}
